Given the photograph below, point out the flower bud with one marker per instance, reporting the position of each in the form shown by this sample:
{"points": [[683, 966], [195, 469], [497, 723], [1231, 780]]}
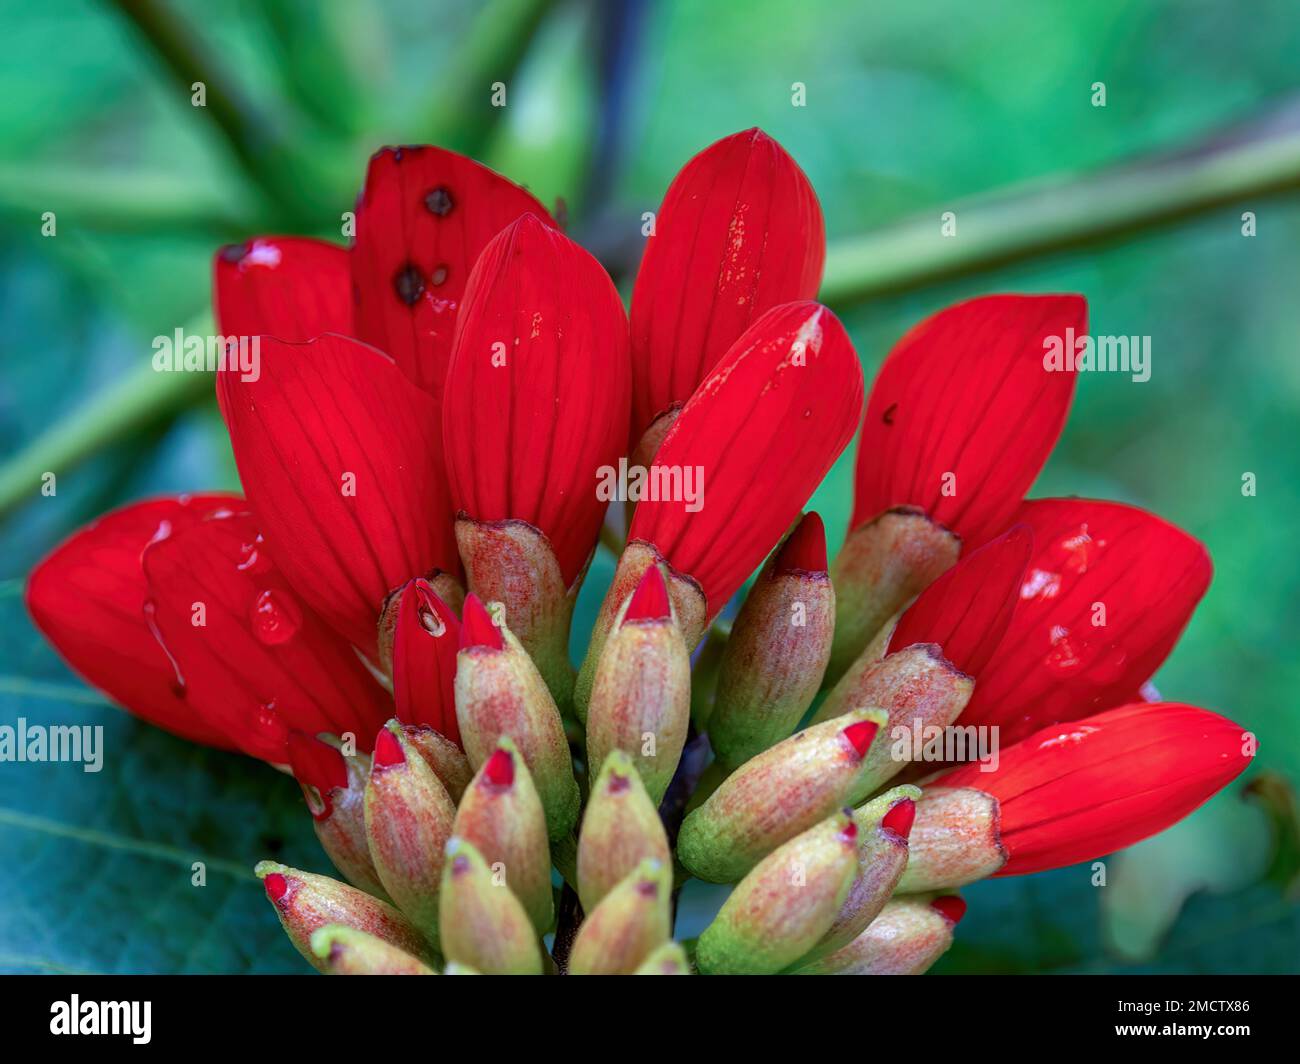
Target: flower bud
{"points": [[629, 924], [426, 636], [641, 699], [511, 562], [344, 950], [501, 816], [620, 829], [447, 760], [908, 936], [668, 959], [785, 906], [776, 795], [883, 825], [334, 786], [483, 924], [408, 821], [956, 839], [689, 608], [306, 902], [500, 692], [918, 687], [774, 660], [883, 565]]}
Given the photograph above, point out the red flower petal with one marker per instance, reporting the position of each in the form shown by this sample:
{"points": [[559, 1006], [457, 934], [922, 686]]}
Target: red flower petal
{"points": [[740, 231], [341, 459], [1092, 561], [966, 393], [88, 597], [804, 550], [423, 217], [968, 609], [538, 389], [761, 432], [1075, 792], [292, 288], [425, 642], [261, 664]]}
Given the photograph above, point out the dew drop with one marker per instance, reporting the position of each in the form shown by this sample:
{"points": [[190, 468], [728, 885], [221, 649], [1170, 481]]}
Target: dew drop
{"points": [[251, 557], [439, 275], [276, 617], [150, 610]]}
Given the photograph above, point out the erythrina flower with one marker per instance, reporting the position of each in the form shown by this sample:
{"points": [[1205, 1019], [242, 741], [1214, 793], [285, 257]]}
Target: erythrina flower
{"points": [[740, 231], [1073, 792], [439, 409], [537, 404], [959, 422]]}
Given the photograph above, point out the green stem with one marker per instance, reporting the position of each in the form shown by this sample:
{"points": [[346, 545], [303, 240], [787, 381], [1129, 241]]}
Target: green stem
{"points": [[1235, 166], [462, 115], [248, 134], [123, 201], [141, 399]]}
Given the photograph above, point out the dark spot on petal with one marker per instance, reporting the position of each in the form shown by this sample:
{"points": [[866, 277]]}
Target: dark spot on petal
{"points": [[888, 416], [618, 784], [233, 252], [409, 284], [439, 275], [439, 201]]}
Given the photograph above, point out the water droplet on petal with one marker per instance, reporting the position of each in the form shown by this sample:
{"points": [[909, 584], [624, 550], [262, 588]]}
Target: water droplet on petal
{"points": [[251, 557], [275, 617], [408, 282], [150, 611]]}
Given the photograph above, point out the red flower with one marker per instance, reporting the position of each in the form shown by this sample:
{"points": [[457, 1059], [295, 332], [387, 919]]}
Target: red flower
{"points": [[254, 662], [537, 393], [425, 642], [963, 413], [423, 218], [1071, 793], [968, 610], [88, 598], [1106, 595], [740, 231], [341, 460], [290, 287], [759, 434]]}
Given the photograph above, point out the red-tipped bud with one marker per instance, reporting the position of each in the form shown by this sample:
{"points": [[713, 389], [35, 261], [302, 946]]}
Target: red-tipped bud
{"points": [[649, 601], [774, 661], [952, 907], [804, 550], [620, 829], [501, 816], [335, 787], [483, 924], [641, 699], [477, 627], [908, 936], [785, 906], [500, 694], [668, 959], [344, 950], [900, 817], [306, 902], [628, 924], [776, 795], [408, 821]]}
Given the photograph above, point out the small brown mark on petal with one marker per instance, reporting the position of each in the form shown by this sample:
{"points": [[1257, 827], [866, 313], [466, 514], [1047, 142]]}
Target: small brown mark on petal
{"points": [[409, 284]]}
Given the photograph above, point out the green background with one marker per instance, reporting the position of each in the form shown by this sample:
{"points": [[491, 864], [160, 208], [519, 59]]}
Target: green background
{"points": [[911, 109]]}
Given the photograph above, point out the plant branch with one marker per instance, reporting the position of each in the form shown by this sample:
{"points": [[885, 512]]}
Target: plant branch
{"points": [[247, 132], [1239, 165], [141, 399]]}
